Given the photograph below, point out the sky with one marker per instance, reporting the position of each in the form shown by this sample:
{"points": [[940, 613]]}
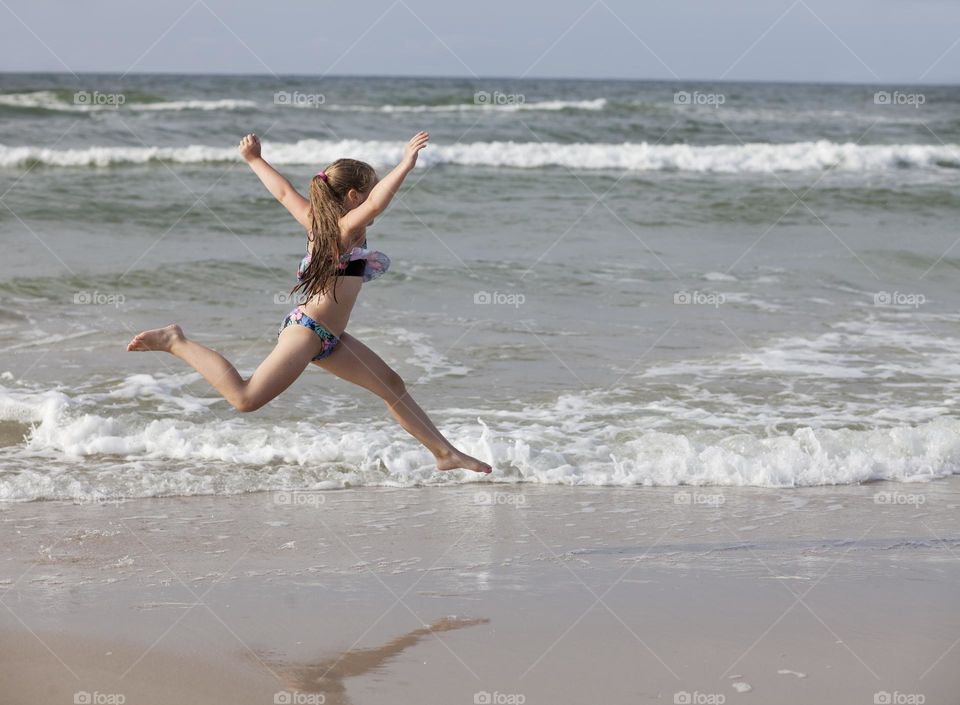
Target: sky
{"points": [[893, 42]]}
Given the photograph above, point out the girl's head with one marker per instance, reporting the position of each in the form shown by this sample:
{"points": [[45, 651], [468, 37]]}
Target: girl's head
{"points": [[339, 188]]}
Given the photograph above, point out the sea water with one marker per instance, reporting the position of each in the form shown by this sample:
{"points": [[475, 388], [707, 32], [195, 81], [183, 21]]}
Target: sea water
{"points": [[593, 282]]}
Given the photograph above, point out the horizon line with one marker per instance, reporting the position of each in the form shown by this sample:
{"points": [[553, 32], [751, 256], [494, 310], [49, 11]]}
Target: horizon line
{"points": [[597, 79]]}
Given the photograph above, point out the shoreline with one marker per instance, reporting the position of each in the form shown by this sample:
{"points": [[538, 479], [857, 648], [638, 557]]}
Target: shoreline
{"points": [[539, 593]]}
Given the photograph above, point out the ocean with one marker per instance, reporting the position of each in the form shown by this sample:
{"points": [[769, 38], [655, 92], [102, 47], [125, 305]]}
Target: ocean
{"points": [[593, 282]]}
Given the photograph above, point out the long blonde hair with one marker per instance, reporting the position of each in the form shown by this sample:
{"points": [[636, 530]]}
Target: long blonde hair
{"points": [[327, 206]]}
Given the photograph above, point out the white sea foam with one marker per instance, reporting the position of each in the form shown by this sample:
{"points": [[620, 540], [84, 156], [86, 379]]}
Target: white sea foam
{"points": [[719, 277], [848, 352], [82, 447], [727, 158], [878, 371], [425, 356], [545, 105], [48, 100], [177, 105], [793, 115]]}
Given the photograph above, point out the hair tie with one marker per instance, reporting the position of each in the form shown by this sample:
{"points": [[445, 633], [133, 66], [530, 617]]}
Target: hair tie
{"points": [[322, 175]]}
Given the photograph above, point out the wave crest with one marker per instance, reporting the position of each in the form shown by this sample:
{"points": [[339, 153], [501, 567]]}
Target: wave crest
{"points": [[54, 101], [726, 158]]}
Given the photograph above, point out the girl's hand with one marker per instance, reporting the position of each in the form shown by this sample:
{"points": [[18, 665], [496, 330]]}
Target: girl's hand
{"points": [[412, 148], [250, 147]]}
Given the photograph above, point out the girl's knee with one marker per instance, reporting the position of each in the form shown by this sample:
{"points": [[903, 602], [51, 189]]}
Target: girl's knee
{"points": [[245, 404], [394, 386]]}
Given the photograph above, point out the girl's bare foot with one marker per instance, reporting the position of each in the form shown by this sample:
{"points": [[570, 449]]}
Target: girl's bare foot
{"points": [[157, 339], [455, 459]]}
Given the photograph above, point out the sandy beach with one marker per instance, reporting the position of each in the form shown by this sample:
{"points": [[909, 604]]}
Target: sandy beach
{"points": [[486, 594]]}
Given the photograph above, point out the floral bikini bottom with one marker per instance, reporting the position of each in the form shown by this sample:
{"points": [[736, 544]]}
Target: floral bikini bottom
{"points": [[298, 318]]}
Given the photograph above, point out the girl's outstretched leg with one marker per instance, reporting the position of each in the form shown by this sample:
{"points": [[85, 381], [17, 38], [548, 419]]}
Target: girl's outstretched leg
{"points": [[355, 362], [295, 348]]}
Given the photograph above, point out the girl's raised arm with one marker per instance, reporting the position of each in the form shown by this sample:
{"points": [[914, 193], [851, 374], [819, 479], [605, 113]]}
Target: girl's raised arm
{"points": [[275, 182], [381, 194]]}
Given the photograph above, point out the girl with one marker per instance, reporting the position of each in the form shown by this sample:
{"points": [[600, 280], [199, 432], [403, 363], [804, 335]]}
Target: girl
{"points": [[344, 200]]}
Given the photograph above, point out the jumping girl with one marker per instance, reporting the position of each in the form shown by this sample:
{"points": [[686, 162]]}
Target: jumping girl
{"points": [[344, 200]]}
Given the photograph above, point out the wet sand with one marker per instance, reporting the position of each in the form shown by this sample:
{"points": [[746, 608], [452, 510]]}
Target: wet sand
{"points": [[486, 594]]}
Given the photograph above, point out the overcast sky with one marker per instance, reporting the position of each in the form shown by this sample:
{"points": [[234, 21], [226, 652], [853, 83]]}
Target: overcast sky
{"points": [[870, 41]]}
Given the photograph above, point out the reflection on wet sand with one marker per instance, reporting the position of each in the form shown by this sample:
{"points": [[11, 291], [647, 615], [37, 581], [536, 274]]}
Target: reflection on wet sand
{"points": [[327, 676]]}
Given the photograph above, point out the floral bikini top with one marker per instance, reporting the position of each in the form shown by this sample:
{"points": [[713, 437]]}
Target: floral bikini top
{"points": [[358, 262]]}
